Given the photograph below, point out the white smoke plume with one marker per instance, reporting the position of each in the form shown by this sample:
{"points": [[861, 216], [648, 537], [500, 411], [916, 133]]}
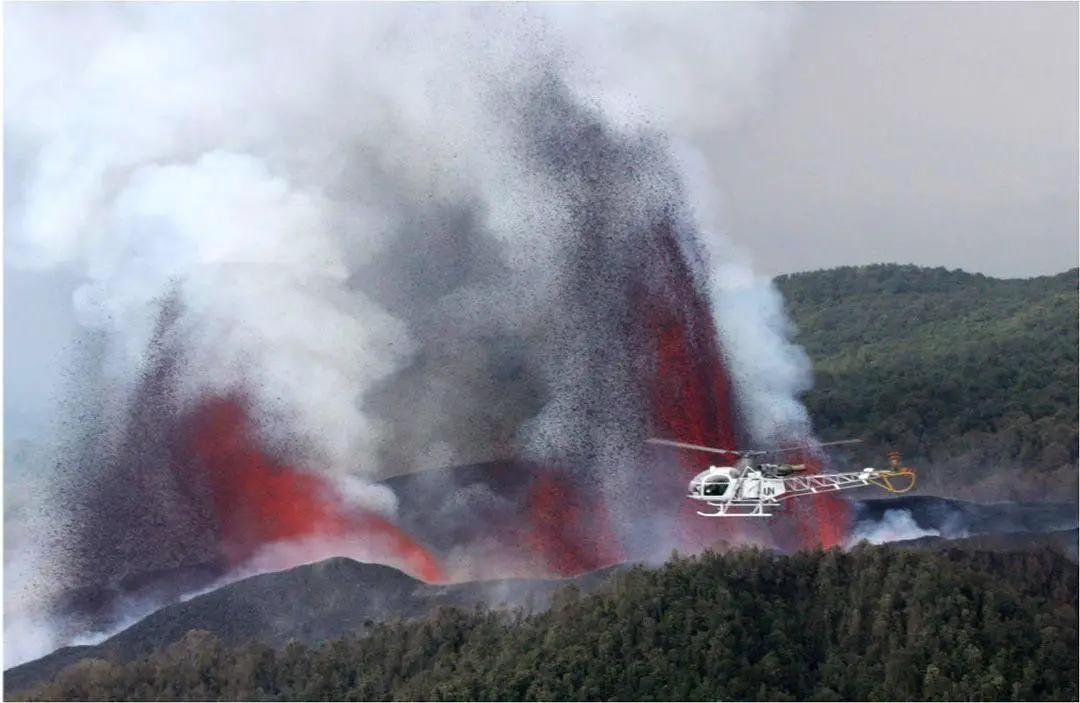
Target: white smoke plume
{"points": [[251, 159], [252, 154], [768, 372], [894, 526]]}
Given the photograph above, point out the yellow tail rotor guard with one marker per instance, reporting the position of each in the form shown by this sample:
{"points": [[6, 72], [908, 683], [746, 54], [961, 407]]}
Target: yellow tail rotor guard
{"points": [[886, 477]]}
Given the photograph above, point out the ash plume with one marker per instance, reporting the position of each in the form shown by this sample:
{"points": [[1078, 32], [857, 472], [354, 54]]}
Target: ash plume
{"points": [[769, 373], [408, 236]]}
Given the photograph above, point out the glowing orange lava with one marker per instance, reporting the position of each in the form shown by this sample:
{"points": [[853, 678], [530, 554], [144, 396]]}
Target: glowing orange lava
{"points": [[826, 516], [570, 534], [691, 400], [258, 501], [565, 528], [691, 393]]}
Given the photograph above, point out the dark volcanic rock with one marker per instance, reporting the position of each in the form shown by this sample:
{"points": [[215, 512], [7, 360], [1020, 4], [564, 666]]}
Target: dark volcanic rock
{"points": [[956, 518], [331, 598], [309, 603], [1064, 542], [100, 607], [481, 504]]}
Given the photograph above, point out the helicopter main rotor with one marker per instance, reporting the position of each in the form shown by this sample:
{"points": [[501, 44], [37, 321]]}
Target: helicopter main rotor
{"points": [[748, 452]]}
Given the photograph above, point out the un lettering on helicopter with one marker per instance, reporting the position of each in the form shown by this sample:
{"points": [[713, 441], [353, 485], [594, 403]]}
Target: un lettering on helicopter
{"points": [[752, 489]]}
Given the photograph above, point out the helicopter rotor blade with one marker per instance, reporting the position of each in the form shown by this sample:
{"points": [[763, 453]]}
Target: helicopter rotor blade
{"points": [[817, 444], [685, 445], [749, 452]]}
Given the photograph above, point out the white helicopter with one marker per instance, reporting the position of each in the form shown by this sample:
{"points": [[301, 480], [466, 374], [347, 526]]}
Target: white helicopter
{"points": [[751, 489]]}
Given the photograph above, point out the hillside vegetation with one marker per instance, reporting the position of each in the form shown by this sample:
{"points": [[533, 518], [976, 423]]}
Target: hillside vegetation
{"points": [[878, 623], [308, 604], [975, 375]]}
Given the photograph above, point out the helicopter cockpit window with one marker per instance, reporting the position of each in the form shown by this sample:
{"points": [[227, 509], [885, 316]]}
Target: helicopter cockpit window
{"points": [[715, 486]]}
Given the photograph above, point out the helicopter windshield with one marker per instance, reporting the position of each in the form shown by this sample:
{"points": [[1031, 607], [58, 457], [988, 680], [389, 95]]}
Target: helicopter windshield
{"points": [[715, 486]]}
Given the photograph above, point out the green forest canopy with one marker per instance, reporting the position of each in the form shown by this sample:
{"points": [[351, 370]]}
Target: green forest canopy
{"points": [[878, 623], [939, 363], [943, 364]]}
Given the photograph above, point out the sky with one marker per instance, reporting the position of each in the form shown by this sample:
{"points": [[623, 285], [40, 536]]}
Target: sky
{"points": [[940, 134], [936, 134]]}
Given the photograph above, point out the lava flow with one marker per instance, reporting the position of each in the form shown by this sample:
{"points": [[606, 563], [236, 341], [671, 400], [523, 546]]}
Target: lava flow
{"points": [[570, 531], [689, 397], [181, 489], [691, 394], [258, 501], [822, 520]]}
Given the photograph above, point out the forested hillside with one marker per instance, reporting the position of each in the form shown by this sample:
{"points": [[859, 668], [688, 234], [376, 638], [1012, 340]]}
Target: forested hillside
{"points": [[974, 375], [878, 623]]}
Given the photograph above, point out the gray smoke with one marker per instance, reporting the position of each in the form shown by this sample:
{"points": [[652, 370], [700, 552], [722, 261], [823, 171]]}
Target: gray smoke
{"points": [[272, 162], [894, 526], [366, 212]]}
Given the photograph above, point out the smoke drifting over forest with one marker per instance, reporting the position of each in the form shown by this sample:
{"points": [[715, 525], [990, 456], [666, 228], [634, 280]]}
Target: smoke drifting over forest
{"points": [[322, 245]]}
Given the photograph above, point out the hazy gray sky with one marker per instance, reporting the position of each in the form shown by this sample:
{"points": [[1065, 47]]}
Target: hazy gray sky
{"points": [[938, 133], [928, 133]]}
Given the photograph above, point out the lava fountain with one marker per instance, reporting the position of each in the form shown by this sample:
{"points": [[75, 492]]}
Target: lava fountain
{"points": [[259, 501], [180, 494], [191, 483], [510, 274]]}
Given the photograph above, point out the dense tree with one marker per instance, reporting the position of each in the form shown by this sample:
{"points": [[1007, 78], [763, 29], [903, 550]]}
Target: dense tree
{"points": [[973, 375], [875, 623], [970, 376]]}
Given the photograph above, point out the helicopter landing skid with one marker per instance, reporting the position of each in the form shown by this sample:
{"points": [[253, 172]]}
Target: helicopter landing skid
{"points": [[747, 509]]}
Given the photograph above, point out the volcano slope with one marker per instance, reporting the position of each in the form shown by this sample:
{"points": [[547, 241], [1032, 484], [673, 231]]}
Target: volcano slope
{"points": [[879, 622], [486, 521], [308, 604], [316, 603], [476, 521], [625, 346], [959, 519]]}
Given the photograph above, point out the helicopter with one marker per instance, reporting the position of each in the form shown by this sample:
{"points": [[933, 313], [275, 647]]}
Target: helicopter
{"points": [[752, 489]]}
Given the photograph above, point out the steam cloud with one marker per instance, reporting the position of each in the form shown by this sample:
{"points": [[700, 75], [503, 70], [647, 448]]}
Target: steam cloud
{"points": [[894, 526], [361, 212]]}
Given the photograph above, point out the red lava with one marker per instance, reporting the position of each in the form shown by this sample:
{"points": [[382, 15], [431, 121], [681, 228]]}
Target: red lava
{"points": [[570, 534], [259, 501], [691, 399], [691, 392], [830, 515]]}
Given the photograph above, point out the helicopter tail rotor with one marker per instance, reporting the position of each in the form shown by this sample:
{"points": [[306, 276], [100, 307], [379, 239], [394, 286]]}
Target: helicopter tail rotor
{"points": [[895, 471]]}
